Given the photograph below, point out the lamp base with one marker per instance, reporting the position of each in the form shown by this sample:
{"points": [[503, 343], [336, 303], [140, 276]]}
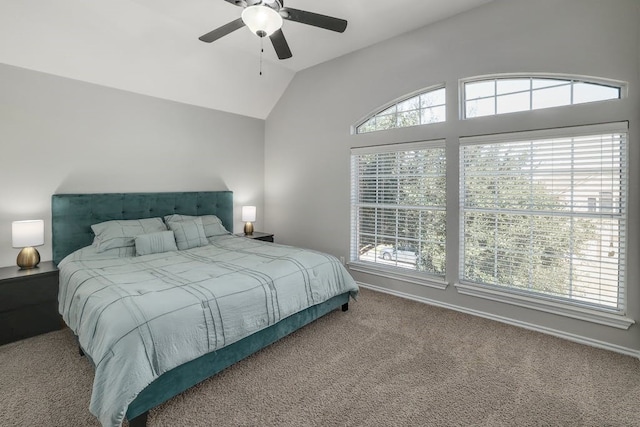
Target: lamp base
{"points": [[248, 228], [28, 258]]}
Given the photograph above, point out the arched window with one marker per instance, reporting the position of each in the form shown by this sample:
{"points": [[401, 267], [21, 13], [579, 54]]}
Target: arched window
{"points": [[421, 109], [542, 213], [508, 94]]}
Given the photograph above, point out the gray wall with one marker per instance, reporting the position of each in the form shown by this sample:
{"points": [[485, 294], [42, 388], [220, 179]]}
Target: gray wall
{"points": [[308, 135], [63, 136]]}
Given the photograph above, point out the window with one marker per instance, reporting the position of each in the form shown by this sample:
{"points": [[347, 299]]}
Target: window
{"points": [[528, 220], [542, 217], [424, 108], [510, 94], [398, 207]]}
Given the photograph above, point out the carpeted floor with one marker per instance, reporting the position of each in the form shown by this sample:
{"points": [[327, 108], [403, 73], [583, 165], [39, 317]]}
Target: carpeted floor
{"points": [[386, 362]]}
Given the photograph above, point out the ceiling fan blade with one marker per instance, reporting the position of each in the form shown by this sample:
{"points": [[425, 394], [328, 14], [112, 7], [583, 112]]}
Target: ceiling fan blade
{"points": [[222, 31], [315, 19], [280, 45]]}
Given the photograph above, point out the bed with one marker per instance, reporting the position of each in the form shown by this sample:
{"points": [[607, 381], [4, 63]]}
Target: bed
{"points": [[157, 323]]}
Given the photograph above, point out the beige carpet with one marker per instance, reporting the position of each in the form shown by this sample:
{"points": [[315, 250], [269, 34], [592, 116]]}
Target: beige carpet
{"points": [[386, 362]]}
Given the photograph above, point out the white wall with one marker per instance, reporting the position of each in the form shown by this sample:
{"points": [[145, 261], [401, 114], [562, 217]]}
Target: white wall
{"points": [[64, 136], [308, 136]]}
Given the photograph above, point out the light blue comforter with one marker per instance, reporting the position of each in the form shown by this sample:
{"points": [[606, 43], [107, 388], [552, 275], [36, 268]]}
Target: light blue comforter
{"points": [[138, 317]]}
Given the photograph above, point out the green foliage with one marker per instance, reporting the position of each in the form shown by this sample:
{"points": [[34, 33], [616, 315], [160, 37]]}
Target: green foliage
{"points": [[517, 233], [410, 112], [405, 188], [524, 251]]}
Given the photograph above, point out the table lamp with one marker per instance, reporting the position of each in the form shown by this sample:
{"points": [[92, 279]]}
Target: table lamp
{"points": [[248, 216], [26, 235]]}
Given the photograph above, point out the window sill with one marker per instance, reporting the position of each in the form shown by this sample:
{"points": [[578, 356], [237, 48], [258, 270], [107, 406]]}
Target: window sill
{"points": [[549, 306], [399, 274]]}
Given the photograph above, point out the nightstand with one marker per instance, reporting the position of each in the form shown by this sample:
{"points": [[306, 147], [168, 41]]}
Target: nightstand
{"points": [[257, 235], [28, 302]]}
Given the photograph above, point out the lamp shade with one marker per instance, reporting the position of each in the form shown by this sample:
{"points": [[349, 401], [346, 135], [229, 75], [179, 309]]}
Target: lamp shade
{"points": [[261, 20], [27, 233], [248, 213]]}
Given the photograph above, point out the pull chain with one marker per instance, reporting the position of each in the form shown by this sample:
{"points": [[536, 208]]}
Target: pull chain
{"points": [[261, 52]]}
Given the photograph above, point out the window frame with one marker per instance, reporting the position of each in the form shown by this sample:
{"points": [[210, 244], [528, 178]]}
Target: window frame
{"points": [[547, 303], [581, 117], [379, 269], [569, 78], [395, 102]]}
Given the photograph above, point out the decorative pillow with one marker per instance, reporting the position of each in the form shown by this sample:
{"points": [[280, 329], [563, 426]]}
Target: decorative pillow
{"points": [[189, 233], [211, 223], [153, 243], [121, 233]]}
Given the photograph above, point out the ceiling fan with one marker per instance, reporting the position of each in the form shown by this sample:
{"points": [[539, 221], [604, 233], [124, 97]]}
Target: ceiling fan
{"points": [[265, 18]]}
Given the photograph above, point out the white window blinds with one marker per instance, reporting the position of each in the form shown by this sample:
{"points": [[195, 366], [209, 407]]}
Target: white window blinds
{"points": [[398, 206], [544, 213]]}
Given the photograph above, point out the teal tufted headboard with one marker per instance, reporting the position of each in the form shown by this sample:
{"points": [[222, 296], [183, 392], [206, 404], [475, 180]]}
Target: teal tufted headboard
{"points": [[73, 214]]}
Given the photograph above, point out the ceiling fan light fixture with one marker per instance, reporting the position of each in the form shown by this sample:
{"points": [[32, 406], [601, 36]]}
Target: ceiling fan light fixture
{"points": [[262, 20]]}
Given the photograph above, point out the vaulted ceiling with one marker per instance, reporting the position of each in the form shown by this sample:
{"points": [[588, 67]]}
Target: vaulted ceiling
{"points": [[151, 46]]}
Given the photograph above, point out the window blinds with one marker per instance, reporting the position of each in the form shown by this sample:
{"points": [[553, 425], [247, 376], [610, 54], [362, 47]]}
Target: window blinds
{"points": [[544, 212], [398, 206]]}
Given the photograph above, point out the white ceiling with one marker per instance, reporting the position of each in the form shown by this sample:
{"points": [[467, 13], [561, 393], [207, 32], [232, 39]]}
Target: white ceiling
{"points": [[151, 46]]}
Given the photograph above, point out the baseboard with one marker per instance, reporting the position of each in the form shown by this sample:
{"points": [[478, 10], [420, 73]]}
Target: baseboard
{"points": [[514, 322]]}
